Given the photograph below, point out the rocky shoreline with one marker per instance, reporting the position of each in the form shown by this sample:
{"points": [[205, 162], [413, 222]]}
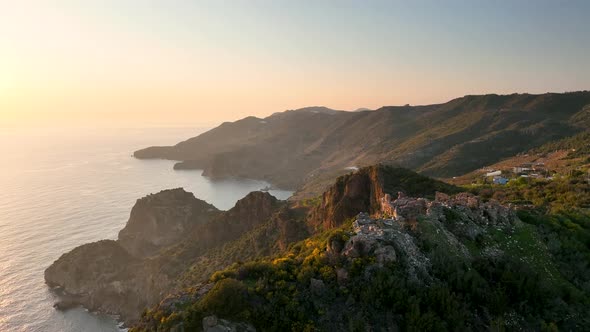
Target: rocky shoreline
{"points": [[173, 242], [164, 233]]}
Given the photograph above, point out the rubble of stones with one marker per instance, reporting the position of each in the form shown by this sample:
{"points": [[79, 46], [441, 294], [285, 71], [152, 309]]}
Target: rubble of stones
{"points": [[484, 213], [387, 234]]}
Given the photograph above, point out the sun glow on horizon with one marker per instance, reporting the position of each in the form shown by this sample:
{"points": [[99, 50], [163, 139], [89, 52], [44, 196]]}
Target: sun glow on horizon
{"points": [[207, 62]]}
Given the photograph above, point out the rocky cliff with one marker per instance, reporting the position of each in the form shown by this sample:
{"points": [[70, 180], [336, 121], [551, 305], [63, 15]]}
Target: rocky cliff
{"points": [[161, 220], [359, 257], [104, 277], [363, 190], [165, 233], [444, 263]]}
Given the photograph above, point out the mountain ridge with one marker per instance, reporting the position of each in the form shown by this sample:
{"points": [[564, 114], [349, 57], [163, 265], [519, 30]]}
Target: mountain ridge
{"points": [[293, 148]]}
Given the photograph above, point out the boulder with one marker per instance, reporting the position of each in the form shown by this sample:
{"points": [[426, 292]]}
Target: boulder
{"points": [[360, 245], [409, 208]]}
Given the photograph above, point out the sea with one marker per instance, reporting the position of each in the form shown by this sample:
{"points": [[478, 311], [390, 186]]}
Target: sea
{"points": [[60, 188]]}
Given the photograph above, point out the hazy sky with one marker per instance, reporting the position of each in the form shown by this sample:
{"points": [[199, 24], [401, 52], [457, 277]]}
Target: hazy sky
{"points": [[202, 62]]}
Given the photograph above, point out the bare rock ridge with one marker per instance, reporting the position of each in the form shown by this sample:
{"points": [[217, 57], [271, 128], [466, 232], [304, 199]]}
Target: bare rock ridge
{"points": [[362, 191], [392, 231], [158, 221], [294, 148], [164, 233], [104, 277]]}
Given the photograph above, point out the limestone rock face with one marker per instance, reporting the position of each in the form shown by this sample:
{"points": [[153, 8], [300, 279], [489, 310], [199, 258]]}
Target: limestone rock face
{"points": [[403, 207], [385, 239], [103, 276], [249, 210], [160, 220], [372, 238], [385, 255], [406, 208], [116, 277], [408, 221], [165, 233], [104, 260], [351, 195], [366, 191]]}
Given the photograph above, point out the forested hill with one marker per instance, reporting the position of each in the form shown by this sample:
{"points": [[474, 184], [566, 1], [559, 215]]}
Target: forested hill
{"points": [[383, 248], [424, 261], [294, 147]]}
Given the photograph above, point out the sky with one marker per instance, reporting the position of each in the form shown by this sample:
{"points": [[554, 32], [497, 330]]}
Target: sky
{"points": [[198, 63]]}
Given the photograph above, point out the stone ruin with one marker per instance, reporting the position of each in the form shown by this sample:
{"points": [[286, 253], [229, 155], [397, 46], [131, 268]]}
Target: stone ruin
{"points": [[403, 208], [388, 234], [409, 209]]}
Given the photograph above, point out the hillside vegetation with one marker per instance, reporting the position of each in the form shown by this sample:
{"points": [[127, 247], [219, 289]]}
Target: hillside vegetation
{"points": [[509, 280], [445, 263]]}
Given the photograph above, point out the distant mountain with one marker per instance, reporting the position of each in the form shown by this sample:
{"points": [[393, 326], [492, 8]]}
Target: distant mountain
{"points": [[313, 145]]}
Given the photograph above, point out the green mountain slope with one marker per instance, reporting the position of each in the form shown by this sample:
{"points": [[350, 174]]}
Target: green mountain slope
{"points": [[363, 256], [455, 269], [292, 148]]}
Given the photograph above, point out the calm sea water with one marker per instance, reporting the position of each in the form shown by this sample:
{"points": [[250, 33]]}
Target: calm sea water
{"points": [[63, 188]]}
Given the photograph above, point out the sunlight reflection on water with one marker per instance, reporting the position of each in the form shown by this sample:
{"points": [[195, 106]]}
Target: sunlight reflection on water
{"points": [[60, 189]]}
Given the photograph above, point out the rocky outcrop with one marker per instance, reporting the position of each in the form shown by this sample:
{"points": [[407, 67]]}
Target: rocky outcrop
{"points": [[396, 231], [364, 190], [249, 210], [161, 220], [165, 233], [104, 277], [252, 210], [403, 208], [385, 239]]}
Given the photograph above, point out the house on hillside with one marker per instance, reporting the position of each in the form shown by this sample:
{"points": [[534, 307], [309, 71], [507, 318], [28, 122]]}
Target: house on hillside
{"points": [[534, 170], [500, 180], [523, 168], [496, 177], [493, 173]]}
